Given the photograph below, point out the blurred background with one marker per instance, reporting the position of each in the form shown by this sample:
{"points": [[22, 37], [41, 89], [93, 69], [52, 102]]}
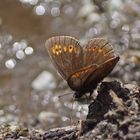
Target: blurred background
{"points": [[29, 83]]}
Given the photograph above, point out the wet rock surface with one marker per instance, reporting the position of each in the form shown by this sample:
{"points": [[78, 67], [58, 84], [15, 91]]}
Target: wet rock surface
{"points": [[114, 114], [117, 114], [28, 106]]}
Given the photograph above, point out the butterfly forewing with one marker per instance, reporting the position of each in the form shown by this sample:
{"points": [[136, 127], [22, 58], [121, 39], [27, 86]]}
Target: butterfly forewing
{"points": [[98, 51], [66, 54]]}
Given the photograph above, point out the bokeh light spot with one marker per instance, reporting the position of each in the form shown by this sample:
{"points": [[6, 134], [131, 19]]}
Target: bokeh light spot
{"points": [[55, 11], [29, 50], [10, 64], [40, 10]]}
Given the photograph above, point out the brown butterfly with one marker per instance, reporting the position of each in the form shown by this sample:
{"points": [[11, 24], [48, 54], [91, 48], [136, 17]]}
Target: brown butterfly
{"points": [[82, 67]]}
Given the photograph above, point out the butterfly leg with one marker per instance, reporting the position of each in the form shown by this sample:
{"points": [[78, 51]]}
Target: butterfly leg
{"points": [[90, 93], [90, 97]]}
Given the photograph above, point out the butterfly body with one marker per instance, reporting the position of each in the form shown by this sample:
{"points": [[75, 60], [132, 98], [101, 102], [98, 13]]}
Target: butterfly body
{"points": [[82, 67]]}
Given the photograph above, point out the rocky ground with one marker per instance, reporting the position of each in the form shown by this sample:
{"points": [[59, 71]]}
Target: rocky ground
{"points": [[114, 114], [30, 86]]}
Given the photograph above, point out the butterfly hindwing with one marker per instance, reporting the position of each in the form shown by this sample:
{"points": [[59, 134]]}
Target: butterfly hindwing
{"points": [[66, 54], [101, 72], [78, 78]]}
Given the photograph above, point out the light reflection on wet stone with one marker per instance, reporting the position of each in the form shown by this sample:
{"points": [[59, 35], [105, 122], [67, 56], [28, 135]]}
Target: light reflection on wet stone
{"points": [[40, 10], [32, 2], [125, 28], [13, 49], [55, 11], [116, 4], [64, 118], [16, 46], [29, 50], [5, 38], [20, 54], [115, 24], [68, 10], [45, 117], [46, 99], [10, 64], [44, 81], [91, 33], [86, 10]]}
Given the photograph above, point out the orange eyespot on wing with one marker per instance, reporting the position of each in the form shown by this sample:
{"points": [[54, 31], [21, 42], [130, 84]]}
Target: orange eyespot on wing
{"points": [[98, 51], [57, 49], [66, 54]]}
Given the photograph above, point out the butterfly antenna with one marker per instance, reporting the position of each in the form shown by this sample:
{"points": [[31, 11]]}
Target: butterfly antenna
{"points": [[71, 113], [60, 96], [71, 109]]}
